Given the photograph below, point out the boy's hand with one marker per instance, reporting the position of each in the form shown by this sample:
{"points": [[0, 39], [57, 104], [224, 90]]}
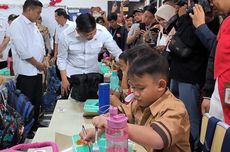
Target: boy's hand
{"points": [[114, 100], [100, 122], [89, 137]]}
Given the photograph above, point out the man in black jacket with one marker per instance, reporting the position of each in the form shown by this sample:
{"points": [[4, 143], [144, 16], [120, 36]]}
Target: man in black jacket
{"points": [[188, 74], [208, 39], [118, 32]]}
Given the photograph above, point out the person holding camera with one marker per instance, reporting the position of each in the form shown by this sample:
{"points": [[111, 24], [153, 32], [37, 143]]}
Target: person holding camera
{"points": [[162, 32], [187, 71], [208, 38]]}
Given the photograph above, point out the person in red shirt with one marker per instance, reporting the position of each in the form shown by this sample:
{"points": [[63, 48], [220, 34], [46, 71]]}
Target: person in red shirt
{"points": [[222, 57]]}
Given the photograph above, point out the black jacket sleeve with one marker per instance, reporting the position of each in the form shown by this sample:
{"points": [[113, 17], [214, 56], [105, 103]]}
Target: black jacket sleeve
{"points": [[210, 82]]}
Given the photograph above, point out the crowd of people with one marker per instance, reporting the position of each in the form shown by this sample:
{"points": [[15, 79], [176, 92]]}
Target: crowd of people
{"points": [[176, 51]]}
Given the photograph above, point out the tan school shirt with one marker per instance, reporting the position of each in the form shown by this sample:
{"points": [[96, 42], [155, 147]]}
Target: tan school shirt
{"points": [[167, 116]]}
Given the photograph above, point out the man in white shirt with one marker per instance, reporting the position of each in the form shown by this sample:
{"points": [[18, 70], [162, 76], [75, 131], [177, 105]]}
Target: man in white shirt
{"points": [[4, 49], [78, 54], [30, 50], [61, 18]]}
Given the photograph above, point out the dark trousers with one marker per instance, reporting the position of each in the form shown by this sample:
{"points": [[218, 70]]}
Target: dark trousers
{"points": [[85, 86], [31, 86]]}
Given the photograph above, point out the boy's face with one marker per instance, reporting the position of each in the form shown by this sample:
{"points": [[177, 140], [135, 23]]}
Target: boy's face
{"points": [[146, 90]]}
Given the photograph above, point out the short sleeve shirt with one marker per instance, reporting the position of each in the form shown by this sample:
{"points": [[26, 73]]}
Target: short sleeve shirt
{"points": [[167, 116]]}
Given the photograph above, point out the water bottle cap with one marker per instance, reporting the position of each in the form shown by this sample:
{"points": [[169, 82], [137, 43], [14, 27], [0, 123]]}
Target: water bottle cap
{"points": [[113, 111], [114, 73], [117, 121], [103, 86]]}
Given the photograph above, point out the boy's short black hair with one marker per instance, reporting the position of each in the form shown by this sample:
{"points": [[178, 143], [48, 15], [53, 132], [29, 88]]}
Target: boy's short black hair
{"points": [[152, 64], [131, 54], [32, 4], [86, 23], [112, 17], [62, 12]]}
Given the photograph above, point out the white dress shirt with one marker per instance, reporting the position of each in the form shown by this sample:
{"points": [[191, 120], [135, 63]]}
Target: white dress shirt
{"points": [[60, 29], [27, 42], [3, 32], [79, 56]]}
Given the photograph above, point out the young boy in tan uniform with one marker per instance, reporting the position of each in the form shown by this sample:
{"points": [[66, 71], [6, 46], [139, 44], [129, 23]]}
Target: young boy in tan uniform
{"points": [[157, 120]]}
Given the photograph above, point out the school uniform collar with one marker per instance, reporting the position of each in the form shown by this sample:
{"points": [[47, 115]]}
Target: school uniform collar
{"points": [[160, 103]]}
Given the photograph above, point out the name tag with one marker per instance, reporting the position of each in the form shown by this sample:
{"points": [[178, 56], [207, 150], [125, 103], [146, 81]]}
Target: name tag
{"points": [[227, 93]]}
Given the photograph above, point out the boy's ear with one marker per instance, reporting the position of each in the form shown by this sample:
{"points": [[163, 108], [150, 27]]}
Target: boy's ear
{"points": [[162, 84]]}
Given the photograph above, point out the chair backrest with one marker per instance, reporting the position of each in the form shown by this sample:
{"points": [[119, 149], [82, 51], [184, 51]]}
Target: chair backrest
{"points": [[212, 122], [226, 142], [204, 126], [219, 136]]}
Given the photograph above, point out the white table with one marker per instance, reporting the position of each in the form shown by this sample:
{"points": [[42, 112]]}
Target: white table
{"points": [[67, 119]]}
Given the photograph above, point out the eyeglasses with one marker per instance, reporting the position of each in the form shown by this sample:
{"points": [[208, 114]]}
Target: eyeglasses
{"points": [[135, 88]]}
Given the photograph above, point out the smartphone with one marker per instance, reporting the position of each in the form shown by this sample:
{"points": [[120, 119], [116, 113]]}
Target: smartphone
{"points": [[142, 26]]}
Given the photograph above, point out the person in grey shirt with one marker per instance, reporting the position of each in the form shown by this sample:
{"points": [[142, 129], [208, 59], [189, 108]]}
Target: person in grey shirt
{"points": [[138, 30]]}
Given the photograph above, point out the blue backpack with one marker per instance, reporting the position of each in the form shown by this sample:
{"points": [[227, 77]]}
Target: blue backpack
{"points": [[52, 92], [10, 124], [21, 104]]}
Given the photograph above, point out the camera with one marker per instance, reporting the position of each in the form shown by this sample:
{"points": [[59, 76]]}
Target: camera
{"points": [[204, 3], [142, 26]]}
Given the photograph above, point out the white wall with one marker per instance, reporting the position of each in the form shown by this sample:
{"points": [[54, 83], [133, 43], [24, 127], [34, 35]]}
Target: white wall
{"points": [[15, 7], [47, 16], [85, 3]]}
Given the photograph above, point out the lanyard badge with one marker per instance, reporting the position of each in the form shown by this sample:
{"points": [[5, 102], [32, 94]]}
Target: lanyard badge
{"points": [[227, 93]]}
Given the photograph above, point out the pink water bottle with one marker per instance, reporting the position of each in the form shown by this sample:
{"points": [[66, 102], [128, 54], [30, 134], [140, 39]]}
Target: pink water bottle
{"points": [[116, 132]]}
